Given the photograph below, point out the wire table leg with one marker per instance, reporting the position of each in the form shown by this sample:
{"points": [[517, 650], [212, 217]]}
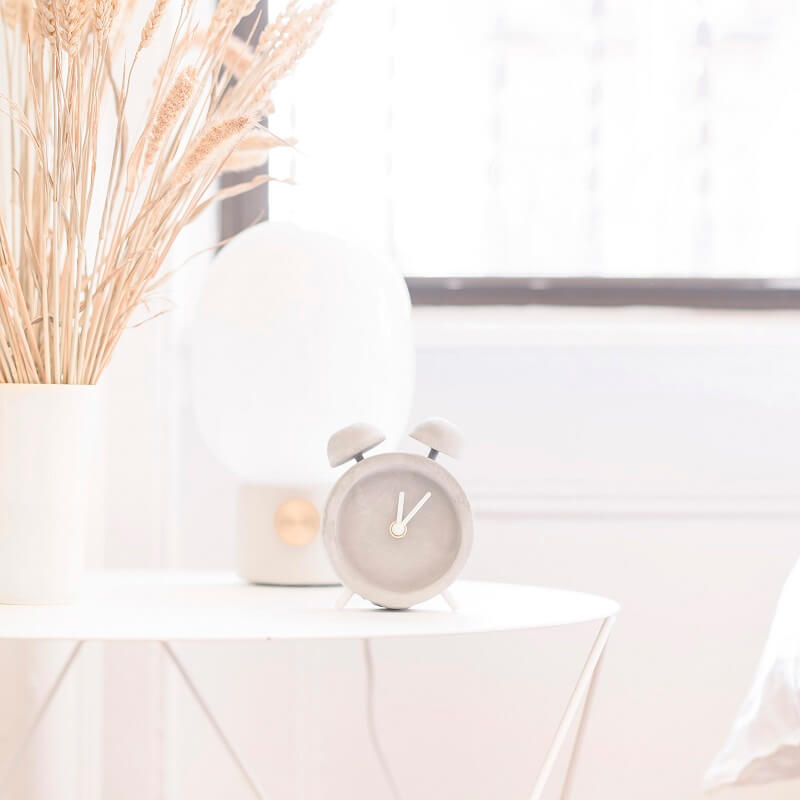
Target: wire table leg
{"points": [[585, 680], [246, 773], [38, 717], [579, 736]]}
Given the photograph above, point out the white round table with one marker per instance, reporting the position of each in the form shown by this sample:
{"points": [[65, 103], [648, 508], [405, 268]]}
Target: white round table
{"points": [[181, 606]]}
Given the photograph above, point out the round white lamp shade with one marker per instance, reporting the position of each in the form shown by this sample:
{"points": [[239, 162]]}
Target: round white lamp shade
{"points": [[296, 334]]}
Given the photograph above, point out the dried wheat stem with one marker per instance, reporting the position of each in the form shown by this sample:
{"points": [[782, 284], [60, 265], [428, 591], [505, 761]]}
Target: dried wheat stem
{"points": [[273, 32], [210, 143], [152, 23], [63, 309], [175, 102], [104, 13], [46, 18], [18, 14], [226, 17], [238, 57], [253, 151], [73, 15]]}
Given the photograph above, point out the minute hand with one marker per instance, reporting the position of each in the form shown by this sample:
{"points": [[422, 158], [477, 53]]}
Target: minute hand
{"points": [[417, 507]]}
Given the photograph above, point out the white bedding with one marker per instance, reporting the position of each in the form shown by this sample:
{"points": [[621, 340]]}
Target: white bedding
{"points": [[764, 744]]}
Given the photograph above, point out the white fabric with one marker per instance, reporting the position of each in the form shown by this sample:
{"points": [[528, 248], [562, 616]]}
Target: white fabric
{"points": [[764, 745]]}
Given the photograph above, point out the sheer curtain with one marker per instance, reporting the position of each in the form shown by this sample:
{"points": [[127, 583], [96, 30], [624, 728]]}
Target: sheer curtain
{"points": [[630, 138]]}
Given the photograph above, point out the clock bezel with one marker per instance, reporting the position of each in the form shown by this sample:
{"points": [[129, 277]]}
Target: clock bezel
{"points": [[361, 584]]}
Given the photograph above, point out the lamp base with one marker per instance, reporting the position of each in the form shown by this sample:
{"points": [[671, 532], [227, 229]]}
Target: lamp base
{"points": [[278, 536]]}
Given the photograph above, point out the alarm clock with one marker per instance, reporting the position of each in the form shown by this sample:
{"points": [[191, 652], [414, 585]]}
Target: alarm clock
{"points": [[397, 526]]}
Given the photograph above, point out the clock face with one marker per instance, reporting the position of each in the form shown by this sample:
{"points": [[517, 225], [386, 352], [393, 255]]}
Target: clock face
{"points": [[398, 529]]}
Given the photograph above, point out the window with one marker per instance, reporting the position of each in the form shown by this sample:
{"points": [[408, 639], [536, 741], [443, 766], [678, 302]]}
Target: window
{"points": [[560, 144]]}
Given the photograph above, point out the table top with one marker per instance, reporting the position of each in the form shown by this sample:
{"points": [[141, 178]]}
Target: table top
{"points": [[169, 605]]}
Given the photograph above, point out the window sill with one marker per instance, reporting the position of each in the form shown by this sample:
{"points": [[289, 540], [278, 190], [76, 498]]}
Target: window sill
{"points": [[454, 327]]}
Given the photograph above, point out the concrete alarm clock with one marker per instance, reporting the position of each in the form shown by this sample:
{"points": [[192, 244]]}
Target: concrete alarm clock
{"points": [[397, 526]]}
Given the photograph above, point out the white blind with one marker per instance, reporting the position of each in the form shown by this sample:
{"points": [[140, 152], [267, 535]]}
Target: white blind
{"points": [[630, 138]]}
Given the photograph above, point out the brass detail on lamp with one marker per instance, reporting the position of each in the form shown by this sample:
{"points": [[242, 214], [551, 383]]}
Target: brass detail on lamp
{"points": [[296, 521]]}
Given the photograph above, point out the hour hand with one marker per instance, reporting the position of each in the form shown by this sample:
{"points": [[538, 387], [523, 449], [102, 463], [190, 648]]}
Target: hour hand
{"points": [[398, 528]]}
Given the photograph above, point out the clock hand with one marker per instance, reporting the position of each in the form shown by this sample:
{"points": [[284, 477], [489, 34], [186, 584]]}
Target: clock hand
{"points": [[417, 507], [397, 528]]}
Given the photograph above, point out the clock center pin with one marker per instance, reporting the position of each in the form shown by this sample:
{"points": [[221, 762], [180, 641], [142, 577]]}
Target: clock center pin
{"points": [[398, 530]]}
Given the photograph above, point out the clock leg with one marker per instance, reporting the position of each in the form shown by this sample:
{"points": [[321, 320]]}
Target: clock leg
{"points": [[343, 599], [447, 595]]}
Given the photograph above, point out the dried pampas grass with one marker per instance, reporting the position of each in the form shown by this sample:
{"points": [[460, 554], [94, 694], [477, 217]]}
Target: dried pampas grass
{"points": [[216, 137], [174, 105], [66, 295], [238, 57], [253, 150]]}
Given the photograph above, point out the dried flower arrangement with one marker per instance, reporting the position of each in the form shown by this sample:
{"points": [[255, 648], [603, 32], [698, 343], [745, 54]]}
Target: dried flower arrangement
{"points": [[82, 244]]}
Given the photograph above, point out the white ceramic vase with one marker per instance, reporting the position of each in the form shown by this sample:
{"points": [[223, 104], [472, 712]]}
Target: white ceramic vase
{"points": [[48, 464]]}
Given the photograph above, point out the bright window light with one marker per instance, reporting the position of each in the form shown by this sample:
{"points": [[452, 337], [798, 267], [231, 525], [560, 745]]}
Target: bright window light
{"points": [[625, 138]]}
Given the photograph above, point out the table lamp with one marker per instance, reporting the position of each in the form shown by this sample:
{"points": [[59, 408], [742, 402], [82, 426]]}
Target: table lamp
{"points": [[296, 334]]}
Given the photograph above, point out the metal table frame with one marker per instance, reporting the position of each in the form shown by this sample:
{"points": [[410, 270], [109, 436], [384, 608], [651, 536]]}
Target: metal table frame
{"points": [[578, 706]]}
